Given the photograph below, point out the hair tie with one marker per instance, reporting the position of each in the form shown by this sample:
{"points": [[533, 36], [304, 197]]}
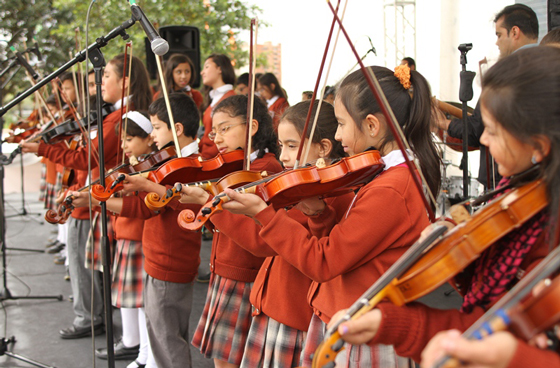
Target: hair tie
{"points": [[140, 120], [402, 72]]}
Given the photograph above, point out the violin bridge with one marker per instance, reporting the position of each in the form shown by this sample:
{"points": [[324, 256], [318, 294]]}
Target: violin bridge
{"points": [[320, 163]]}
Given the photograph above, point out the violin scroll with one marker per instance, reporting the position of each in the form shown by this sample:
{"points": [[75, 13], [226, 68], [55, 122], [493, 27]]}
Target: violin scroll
{"points": [[103, 194], [155, 203]]}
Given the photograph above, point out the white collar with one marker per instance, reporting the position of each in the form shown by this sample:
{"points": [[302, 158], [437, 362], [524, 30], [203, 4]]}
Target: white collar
{"points": [[254, 155], [395, 158], [189, 149], [272, 101], [217, 93], [119, 103]]}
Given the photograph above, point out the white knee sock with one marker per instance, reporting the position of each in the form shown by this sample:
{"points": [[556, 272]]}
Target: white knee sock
{"points": [[145, 355], [131, 333]]}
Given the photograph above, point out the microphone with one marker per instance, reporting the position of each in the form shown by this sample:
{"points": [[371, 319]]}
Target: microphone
{"points": [[25, 64], [159, 45]]}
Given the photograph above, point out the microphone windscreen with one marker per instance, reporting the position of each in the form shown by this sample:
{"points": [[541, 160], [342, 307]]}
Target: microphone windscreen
{"points": [[160, 46]]}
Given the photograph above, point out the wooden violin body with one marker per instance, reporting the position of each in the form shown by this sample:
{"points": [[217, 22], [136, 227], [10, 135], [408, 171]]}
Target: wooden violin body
{"points": [[449, 256], [290, 187]]}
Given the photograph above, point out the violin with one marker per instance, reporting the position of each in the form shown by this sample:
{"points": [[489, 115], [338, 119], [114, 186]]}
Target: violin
{"points": [[455, 144], [177, 169], [290, 187], [114, 180], [413, 278], [526, 316], [214, 187]]}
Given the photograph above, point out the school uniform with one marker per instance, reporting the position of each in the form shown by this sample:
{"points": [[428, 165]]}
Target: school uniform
{"points": [[386, 217], [192, 93], [276, 107], [281, 313], [79, 224], [171, 260], [409, 328], [206, 145], [226, 318]]}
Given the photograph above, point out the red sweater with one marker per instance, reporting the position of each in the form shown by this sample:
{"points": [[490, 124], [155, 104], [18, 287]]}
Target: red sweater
{"points": [[206, 146], [530, 356], [386, 217], [228, 259], [170, 253], [409, 328], [277, 109], [78, 159], [128, 228], [280, 289]]}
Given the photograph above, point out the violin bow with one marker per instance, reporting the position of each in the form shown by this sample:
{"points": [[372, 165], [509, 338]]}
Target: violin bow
{"points": [[314, 95], [169, 112], [81, 81], [251, 96], [496, 318], [320, 103], [76, 85], [125, 92], [393, 124]]}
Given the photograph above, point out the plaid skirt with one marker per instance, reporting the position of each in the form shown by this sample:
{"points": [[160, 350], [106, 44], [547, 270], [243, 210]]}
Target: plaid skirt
{"points": [[93, 245], [224, 325], [271, 344], [128, 280], [353, 356]]}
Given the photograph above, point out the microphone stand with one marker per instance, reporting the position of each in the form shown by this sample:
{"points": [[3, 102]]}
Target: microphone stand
{"points": [[465, 95], [96, 58]]}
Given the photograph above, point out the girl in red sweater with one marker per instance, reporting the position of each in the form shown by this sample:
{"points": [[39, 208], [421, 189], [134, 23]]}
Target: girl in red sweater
{"points": [[271, 90], [281, 313], [79, 225], [519, 137], [179, 74], [344, 257], [218, 77], [225, 321]]}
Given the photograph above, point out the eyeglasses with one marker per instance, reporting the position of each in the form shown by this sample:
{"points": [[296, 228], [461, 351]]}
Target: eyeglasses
{"points": [[222, 130]]}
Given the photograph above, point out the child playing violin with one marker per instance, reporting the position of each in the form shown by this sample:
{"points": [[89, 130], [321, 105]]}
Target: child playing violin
{"points": [[79, 224], [519, 137], [127, 283], [171, 256], [281, 313], [271, 90], [340, 252], [179, 74], [219, 77], [225, 321]]}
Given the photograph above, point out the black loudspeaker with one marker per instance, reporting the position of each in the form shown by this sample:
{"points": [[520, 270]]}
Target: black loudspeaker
{"points": [[182, 40], [553, 14]]}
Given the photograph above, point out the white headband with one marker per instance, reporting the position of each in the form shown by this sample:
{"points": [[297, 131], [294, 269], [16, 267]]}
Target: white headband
{"points": [[140, 120]]}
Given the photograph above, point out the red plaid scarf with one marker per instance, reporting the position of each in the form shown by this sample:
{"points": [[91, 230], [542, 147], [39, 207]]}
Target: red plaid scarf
{"points": [[495, 270]]}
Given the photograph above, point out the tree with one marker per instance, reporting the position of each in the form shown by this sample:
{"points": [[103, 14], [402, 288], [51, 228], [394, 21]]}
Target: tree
{"points": [[53, 22]]}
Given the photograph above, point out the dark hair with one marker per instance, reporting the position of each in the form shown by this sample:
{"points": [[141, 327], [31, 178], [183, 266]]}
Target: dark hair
{"points": [[523, 17], [552, 37], [326, 124], [265, 138], [268, 79], [51, 100], [139, 81], [228, 74], [133, 129], [68, 76], [170, 65], [308, 94], [243, 79], [410, 61], [184, 111], [521, 93], [412, 113], [329, 90]]}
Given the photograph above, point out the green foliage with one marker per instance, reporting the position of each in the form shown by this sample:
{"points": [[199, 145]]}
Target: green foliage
{"points": [[53, 22]]}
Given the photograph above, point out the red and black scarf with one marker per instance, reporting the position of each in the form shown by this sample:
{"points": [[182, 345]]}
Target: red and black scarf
{"points": [[495, 270]]}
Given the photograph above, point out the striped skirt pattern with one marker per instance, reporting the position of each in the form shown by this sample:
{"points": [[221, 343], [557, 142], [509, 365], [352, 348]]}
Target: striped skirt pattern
{"points": [[224, 325], [128, 280], [93, 245], [353, 356], [271, 344]]}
